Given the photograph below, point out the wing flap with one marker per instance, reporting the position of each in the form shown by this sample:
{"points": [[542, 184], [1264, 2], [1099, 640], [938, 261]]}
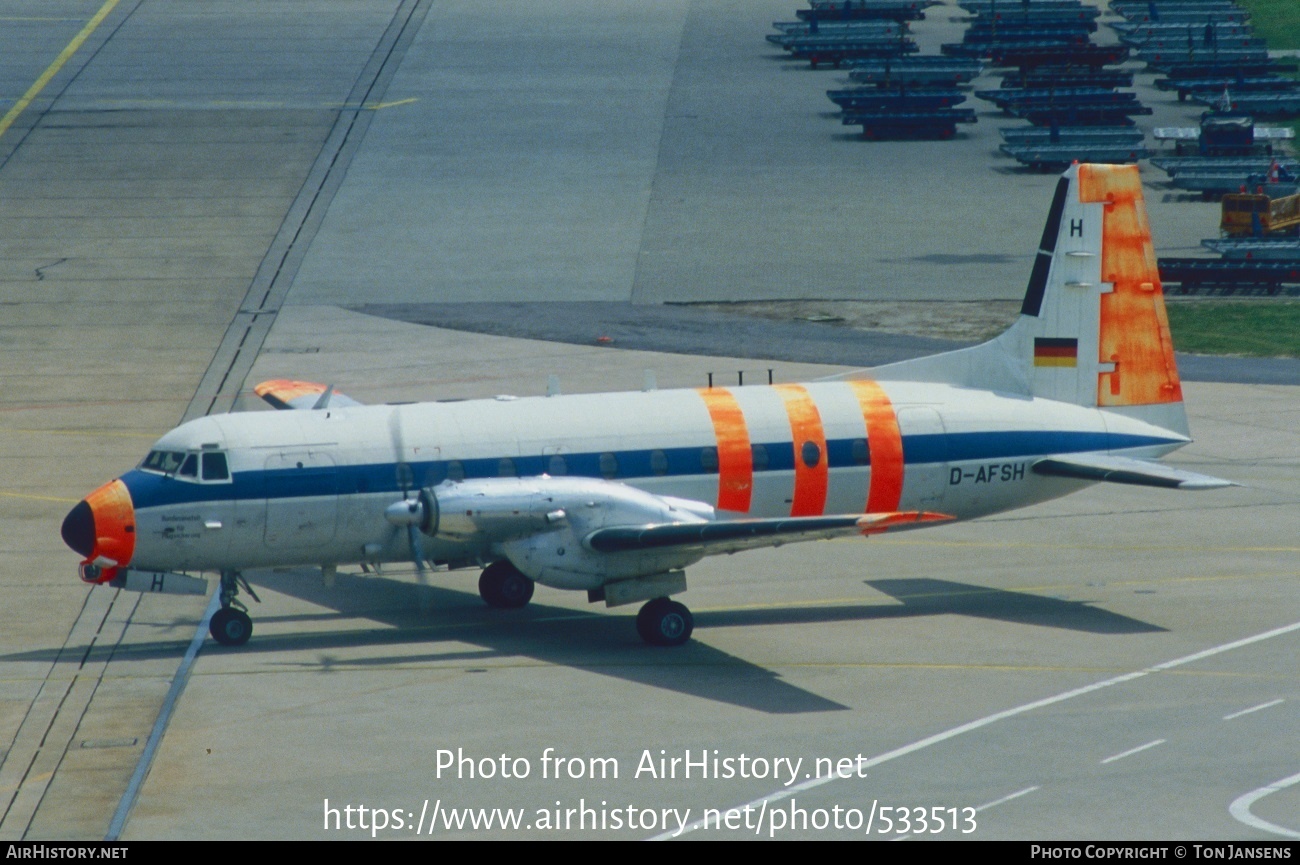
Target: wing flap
{"points": [[283, 393], [1126, 470], [729, 536]]}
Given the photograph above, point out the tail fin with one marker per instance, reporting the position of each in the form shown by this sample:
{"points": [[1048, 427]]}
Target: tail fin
{"points": [[1092, 329]]}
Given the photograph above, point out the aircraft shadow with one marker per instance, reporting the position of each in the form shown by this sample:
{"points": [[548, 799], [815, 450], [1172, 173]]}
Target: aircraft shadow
{"points": [[928, 597], [600, 643], [597, 642]]}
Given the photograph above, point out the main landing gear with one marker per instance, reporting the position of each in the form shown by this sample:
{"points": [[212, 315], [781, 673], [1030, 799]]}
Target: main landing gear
{"points": [[503, 587], [661, 622], [664, 622], [231, 625]]}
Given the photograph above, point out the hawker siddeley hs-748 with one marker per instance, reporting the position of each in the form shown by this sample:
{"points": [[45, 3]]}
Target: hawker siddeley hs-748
{"points": [[615, 494]]}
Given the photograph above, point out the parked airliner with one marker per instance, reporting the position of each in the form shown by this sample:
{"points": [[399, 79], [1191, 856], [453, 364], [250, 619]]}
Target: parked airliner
{"points": [[616, 494]]}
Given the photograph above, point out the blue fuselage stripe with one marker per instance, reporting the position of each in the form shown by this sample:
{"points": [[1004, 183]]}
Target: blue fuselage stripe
{"points": [[149, 489]]}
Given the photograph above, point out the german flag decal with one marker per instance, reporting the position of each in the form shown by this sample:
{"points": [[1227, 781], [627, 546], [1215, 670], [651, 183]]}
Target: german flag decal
{"points": [[1054, 351]]}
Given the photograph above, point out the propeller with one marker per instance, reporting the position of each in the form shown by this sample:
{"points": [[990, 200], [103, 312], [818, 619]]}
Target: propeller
{"points": [[409, 512]]}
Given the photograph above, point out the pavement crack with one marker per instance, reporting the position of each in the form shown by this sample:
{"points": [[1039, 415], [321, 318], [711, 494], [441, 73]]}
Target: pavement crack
{"points": [[40, 271]]}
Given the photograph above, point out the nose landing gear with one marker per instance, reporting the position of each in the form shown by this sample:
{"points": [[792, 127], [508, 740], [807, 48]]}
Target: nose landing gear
{"points": [[231, 625]]}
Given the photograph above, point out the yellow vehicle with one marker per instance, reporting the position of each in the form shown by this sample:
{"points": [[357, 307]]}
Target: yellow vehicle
{"points": [[1255, 215]]}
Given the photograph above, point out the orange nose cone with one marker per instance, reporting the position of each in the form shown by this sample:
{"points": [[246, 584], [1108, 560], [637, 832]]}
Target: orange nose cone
{"points": [[102, 528]]}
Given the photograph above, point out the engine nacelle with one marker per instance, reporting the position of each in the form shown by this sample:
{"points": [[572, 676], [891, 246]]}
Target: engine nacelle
{"points": [[491, 510], [539, 524]]}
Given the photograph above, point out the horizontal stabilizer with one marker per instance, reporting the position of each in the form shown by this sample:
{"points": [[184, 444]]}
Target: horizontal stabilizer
{"points": [[285, 393], [729, 536], [1126, 470]]}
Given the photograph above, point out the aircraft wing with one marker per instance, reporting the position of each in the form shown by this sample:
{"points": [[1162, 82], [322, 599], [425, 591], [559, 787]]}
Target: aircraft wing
{"points": [[285, 393], [729, 536], [1126, 470]]}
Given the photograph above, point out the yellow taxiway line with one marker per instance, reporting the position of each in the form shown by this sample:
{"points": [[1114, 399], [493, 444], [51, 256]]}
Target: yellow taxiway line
{"points": [[53, 69]]}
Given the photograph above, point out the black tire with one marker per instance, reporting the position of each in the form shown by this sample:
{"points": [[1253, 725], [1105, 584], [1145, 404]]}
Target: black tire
{"points": [[503, 587], [230, 627], [663, 622]]}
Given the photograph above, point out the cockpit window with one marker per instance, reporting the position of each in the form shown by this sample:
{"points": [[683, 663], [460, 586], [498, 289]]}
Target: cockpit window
{"points": [[166, 462], [190, 468], [215, 468]]}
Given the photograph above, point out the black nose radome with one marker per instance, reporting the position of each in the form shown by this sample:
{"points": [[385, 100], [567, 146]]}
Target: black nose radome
{"points": [[79, 529]]}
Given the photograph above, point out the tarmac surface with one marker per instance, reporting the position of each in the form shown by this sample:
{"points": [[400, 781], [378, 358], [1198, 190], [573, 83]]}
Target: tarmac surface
{"points": [[197, 197]]}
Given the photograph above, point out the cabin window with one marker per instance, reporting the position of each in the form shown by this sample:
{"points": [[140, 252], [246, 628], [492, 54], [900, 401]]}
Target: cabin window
{"points": [[811, 454], [608, 466], [759, 453], [861, 456], [189, 468], [659, 462], [215, 467], [557, 467], [455, 471], [506, 468]]}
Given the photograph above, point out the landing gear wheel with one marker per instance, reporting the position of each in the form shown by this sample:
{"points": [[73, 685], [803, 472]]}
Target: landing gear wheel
{"points": [[663, 622], [231, 627], [503, 587]]}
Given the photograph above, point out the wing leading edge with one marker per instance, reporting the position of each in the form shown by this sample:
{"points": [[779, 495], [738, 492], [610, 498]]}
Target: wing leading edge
{"points": [[729, 536]]}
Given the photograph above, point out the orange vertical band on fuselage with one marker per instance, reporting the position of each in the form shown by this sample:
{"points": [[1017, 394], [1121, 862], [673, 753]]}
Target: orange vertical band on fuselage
{"points": [[735, 459], [884, 446], [1134, 333], [811, 477], [114, 518]]}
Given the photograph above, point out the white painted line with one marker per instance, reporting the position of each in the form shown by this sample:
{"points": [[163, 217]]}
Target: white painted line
{"points": [[179, 681], [1267, 705], [1131, 751], [1240, 808], [1004, 799], [1002, 716]]}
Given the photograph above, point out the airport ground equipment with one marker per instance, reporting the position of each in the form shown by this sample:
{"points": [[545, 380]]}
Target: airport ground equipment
{"points": [[1225, 69], [1215, 181], [1065, 76], [1031, 56], [1176, 165], [1256, 214], [914, 71], [1083, 115], [876, 99], [1255, 248], [1207, 89], [1118, 135], [1165, 60], [1047, 156], [1259, 104], [985, 8], [852, 10], [1230, 276], [835, 51], [941, 123], [830, 28], [869, 31], [1018, 99], [1225, 134]]}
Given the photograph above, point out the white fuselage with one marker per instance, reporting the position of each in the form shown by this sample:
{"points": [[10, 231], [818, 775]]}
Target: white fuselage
{"points": [[311, 487]]}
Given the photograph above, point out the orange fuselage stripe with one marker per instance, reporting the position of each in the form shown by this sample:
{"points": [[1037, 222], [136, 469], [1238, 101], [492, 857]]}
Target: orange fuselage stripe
{"points": [[884, 445], [810, 481], [735, 459]]}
